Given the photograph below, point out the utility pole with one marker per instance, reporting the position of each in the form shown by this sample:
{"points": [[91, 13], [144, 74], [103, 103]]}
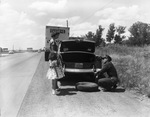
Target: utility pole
{"points": [[13, 47], [67, 23]]}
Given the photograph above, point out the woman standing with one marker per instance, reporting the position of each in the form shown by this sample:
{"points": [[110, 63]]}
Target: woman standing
{"points": [[55, 71]]}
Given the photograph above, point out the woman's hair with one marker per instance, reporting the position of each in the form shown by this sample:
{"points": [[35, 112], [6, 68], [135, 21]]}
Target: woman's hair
{"points": [[53, 56]]}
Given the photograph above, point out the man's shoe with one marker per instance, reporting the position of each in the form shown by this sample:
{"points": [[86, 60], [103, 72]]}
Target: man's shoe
{"points": [[107, 90], [115, 86]]}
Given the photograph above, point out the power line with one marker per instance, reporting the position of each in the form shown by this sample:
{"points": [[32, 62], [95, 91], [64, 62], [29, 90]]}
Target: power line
{"points": [[96, 11]]}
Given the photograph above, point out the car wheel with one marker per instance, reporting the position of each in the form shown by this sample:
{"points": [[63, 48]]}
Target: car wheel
{"points": [[86, 86]]}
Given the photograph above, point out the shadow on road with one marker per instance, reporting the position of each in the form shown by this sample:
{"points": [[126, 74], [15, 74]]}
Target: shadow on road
{"points": [[71, 81], [67, 91], [68, 86], [117, 90], [68, 82]]}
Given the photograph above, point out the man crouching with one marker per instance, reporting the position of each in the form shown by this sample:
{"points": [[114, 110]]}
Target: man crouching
{"points": [[110, 82]]}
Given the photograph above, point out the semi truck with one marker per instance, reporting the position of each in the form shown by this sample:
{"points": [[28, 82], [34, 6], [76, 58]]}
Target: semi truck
{"points": [[64, 35]]}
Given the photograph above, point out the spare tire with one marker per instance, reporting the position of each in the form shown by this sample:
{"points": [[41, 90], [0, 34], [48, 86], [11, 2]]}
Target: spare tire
{"points": [[87, 86]]}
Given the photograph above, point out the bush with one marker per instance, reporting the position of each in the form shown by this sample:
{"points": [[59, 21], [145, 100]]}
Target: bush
{"points": [[132, 64]]}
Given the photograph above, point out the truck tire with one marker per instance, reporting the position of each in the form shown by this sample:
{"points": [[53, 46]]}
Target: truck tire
{"points": [[86, 86], [46, 56]]}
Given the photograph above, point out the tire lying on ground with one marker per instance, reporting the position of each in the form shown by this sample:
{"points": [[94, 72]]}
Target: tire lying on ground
{"points": [[86, 86]]}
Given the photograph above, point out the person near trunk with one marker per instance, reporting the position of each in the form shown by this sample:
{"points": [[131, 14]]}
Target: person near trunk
{"points": [[55, 66], [108, 69]]}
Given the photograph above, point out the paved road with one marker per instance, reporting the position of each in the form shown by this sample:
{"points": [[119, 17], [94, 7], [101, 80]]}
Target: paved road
{"points": [[16, 72], [39, 102]]}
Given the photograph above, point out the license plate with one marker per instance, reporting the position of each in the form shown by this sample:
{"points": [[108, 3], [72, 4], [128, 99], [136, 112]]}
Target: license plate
{"points": [[78, 65]]}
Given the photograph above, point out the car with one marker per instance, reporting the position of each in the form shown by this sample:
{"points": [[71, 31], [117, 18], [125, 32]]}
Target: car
{"points": [[78, 57], [11, 52], [39, 51]]}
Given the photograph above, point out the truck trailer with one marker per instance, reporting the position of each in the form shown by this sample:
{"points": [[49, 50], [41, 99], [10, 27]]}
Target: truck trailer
{"points": [[64, 35]]}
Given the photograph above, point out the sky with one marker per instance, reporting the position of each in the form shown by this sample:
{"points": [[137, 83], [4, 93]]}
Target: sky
{"points": [[23, 22]]}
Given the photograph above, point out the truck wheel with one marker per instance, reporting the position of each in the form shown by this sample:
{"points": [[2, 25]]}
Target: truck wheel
{"points": [[86, 86], [46, 56]]}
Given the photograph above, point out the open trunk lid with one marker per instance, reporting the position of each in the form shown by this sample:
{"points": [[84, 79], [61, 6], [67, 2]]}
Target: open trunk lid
{"points": [[78, 57], [78, 45]]}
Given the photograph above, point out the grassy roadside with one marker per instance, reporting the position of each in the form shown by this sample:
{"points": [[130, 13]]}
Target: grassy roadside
{"points": [[132, 64]]}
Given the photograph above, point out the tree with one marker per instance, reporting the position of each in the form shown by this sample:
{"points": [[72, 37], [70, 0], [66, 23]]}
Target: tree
{"points": [[119, 37], [120, 30], [140, 34], [90, 36], [98, 36], [110, 33]]}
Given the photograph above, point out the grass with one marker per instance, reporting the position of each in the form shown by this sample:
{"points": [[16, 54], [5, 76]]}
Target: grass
{"points": [[132, 64]]}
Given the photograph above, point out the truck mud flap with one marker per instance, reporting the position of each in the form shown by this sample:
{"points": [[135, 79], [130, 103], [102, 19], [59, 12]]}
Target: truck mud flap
{"points": [[47, 56]]}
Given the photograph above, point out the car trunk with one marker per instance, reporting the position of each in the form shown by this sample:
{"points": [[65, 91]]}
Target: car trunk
{"points": [[78, 60], [78, 57], [76, 45], [78, 54]]}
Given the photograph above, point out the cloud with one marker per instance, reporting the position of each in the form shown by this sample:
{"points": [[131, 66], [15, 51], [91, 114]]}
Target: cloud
{"points": [[57, 22], [82, 29], [124, 16], [17, 28], [7, 13], [76, 29], [24, 19], [62, 22], [119, 16], [49, 6], [41, 14]]}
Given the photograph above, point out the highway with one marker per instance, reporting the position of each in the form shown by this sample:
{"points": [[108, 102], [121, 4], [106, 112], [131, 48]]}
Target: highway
{"points": [[26, 92], [16, 72]]}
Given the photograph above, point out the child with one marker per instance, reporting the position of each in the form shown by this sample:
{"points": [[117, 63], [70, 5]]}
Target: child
{"points": [[55, 71]]}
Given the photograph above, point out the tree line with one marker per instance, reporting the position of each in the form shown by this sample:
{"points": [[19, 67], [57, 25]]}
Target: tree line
{"points": [[139, 35]]}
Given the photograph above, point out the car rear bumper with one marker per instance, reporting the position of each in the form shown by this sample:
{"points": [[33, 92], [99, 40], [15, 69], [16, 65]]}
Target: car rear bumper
{"points": [[79, 70]]}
